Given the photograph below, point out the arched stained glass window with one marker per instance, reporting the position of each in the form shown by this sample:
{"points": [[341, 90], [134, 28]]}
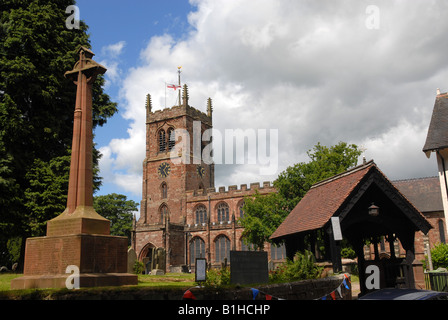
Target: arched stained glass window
{"points": [[278, 252], [222, 248], [201, 215], [223, 212], [197, 249], [240, 209]]}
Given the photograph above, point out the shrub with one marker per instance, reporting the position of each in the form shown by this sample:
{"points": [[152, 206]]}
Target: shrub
{"points": [[439, 255], [139, 267], [217, 277], [302, 267], [348, 253]]}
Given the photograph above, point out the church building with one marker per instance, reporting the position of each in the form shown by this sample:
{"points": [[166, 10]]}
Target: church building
{"points": [[183, 216], [181, 210]]}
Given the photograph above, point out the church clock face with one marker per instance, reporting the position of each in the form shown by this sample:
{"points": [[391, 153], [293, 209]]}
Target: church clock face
{"points": [[201, 171], [164, 169]]}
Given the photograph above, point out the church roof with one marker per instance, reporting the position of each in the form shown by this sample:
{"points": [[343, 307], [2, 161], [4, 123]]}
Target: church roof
{"points": [[424, 193], [437, 137], [331, 197]]}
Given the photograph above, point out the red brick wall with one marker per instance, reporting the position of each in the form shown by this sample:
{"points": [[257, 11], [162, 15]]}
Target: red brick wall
{"points": [[91, 253]]}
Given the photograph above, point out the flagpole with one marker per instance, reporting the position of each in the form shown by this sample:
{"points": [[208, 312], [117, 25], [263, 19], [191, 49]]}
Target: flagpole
{"points": [[165, 95], [180, 88]]}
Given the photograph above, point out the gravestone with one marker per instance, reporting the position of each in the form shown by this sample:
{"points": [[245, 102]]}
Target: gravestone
{"points": [[132, 258], [200, 270], [248, 267], [158, 261]]}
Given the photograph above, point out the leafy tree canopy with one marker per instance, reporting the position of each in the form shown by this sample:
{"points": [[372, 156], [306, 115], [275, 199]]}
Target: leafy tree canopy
{"points": [[117, 209], [264, 213]]}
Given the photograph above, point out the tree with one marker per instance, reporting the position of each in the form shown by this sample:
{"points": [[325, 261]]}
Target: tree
{"points": [[119, 210], [36, 111], [295, 181], [263, 214]]}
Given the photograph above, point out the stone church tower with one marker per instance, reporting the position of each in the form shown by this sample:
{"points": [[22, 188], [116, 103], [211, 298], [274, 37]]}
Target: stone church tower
{"points": [[182, 215], [167, 177]]}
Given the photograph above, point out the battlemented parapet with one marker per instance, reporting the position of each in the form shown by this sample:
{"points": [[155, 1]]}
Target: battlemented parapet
{"points": [[178, 111], [221, 205]]}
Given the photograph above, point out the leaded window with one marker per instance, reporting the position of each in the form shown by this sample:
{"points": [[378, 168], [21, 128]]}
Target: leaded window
{"points": [[223, 212], [197, 249], [222, 248], [201, 214]]}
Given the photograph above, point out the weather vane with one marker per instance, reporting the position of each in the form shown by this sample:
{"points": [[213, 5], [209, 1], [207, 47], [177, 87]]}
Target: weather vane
{"points": [[363, 149]]}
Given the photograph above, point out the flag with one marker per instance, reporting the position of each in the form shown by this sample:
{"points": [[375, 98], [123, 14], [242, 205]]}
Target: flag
{"points": [[254, 293], [339, 291], [189, 295], [173, 86], [347, 277], [333, 295], [268, 297], [345, 284]]}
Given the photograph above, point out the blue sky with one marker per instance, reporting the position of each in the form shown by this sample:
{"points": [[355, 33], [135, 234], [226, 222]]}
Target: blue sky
{"points": [[111, 22], [114, 21], [363, 72]]}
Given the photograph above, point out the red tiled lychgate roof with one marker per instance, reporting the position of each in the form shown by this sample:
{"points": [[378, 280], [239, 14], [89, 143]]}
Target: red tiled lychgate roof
{"points": [[321, 201]]}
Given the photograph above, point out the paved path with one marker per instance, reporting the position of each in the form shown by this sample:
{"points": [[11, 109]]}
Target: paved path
{"points": [[355, 290]]}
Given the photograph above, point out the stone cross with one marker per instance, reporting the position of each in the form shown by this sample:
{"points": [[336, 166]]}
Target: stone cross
{"points": [[80, 188], [79, 238]]}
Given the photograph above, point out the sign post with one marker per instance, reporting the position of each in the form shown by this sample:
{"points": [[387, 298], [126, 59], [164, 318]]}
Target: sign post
{"points": [[335, 247]]}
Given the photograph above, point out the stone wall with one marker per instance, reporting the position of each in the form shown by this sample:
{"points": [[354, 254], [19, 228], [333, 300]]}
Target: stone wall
{"points": [[300, 290]]}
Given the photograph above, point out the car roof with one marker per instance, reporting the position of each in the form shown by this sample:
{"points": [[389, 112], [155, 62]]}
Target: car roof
{"points": [[402, 294]]}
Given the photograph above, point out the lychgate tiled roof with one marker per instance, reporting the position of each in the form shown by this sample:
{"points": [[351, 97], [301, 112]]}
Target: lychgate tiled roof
{"points": [[437, 137], [330, 196], [320, 202]]}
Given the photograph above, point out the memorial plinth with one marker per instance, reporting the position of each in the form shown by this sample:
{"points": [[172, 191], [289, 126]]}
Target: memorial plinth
{"points": [[79, 236]]}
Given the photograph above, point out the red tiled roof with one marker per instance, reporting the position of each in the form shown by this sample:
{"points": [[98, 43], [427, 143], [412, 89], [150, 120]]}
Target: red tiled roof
{"points": [[321, 201]]}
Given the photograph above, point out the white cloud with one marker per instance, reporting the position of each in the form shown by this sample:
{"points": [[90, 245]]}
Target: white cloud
{"points": [[113, 50], [312, 70], [111, 61]]}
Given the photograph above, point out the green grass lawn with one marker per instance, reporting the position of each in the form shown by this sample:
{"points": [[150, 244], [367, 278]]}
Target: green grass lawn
{"points": [[169, 280], [175, 280], [5, 280]]}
